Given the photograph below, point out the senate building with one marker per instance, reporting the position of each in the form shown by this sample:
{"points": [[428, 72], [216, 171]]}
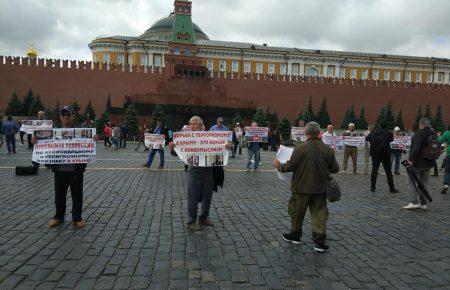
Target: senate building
{"points": [[152, 47]]}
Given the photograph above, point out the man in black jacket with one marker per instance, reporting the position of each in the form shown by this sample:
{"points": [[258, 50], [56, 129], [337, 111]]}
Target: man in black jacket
{"points": [[68, 175], [417, 159], [380, 151]]}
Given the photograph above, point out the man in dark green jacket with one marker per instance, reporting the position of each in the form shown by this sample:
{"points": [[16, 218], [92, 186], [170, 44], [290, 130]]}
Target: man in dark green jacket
{"points": [[308, 187]]}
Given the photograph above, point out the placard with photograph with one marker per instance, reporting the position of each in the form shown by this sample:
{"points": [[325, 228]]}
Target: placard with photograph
{"points": [[256, 134]]}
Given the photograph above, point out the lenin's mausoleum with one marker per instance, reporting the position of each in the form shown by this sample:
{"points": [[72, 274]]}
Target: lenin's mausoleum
{"points": [[175, 64]]}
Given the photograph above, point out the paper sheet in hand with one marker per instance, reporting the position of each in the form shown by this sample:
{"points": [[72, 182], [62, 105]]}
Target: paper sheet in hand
{"points": [[283, 155]]}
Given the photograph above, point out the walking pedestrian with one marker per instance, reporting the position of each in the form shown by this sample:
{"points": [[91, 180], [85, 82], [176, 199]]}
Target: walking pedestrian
{"points": [[124, 135], [380, 151], [10, 129], [308, 188], [107, 132], [116, 134], [420, 161], [350, 151]]}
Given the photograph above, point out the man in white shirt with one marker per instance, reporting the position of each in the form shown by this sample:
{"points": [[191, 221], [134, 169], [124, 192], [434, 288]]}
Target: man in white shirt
{"points": [[330, 131]]}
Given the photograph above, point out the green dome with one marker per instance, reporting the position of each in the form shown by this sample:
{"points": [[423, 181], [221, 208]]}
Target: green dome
{"points": [[163, 28]]}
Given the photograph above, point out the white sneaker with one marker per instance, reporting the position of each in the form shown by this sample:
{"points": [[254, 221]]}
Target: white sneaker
{"points": [[412, 206], [423, 207]]}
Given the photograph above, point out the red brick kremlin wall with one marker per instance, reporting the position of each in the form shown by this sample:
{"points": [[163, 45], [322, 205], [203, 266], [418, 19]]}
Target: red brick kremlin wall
{"points": [[69, 80]]}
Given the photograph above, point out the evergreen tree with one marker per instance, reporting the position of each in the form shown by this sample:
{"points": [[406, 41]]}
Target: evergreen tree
{"points": [[236, 119], [157, 113], [308, 115], [323, 118], [260, 118], [390, 121], [36, 106], [14, 106], [418, 117], [346, 120], [428, 112], [108, 103], [381, 117], [298, 119], [56, 112], [49, 114], [399, 123], [438, 122], [274, 121], [104, 118], [76, 113], [352, 115], [28, 100], [131, 120], [89, 111], [285, 128], [362, 124]]}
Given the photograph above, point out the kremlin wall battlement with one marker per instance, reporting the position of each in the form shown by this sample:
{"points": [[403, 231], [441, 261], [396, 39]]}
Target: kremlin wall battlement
{"points": [[286, 95]]}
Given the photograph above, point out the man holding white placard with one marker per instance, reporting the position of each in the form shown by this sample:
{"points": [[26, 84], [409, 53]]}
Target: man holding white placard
{"points": [[157, 146]]}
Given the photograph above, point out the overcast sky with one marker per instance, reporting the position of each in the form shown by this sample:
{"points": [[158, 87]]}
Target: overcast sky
{"points": [[63, 28]]}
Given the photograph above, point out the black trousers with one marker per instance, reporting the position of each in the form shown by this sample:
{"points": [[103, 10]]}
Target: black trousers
{"points": [[64, 180], [30, 144], [376, 162]]}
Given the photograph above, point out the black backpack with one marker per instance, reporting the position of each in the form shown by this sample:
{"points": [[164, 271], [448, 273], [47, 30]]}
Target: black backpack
{"points": [[378, 144], [432, 150]]}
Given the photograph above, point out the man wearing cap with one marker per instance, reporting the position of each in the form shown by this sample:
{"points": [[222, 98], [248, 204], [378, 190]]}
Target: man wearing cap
{"points": [[219, 126], [68, 175], [396, 154]]}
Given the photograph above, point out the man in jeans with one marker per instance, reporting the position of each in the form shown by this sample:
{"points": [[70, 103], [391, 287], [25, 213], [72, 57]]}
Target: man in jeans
{"points": [[253, 150], [445, 139], [417, 160], [10, 130], [308, 187], [396, 154], [158, 129]]}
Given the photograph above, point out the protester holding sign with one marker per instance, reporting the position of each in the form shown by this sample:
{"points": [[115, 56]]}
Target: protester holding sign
{"points": [[350, 150], [380, 150], [254, 135], [396, 154], [202, 180], [159, 129], [68, 175], [308, 186]]}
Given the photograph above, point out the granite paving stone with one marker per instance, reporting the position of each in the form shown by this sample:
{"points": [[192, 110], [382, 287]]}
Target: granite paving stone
{"points": [[136, 237]]}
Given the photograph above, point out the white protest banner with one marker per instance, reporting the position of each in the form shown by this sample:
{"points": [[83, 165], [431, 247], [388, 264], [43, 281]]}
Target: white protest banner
{"points": [[256, 134], [298, 134], [155, 141], [29, 126], [401, 143], [64, 146], [358, 141], [335, 142], [283, 155], [202, 148]]}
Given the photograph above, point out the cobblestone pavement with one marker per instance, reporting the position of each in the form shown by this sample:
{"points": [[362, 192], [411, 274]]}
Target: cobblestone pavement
{"points": [[136, 236]]}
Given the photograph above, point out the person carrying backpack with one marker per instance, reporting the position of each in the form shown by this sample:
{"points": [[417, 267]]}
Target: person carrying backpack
{"points": [[425, 149], [380, 151]]}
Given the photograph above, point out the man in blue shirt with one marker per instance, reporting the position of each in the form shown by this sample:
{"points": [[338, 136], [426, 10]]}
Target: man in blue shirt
{"points": [[10, 129], [219, 126]]}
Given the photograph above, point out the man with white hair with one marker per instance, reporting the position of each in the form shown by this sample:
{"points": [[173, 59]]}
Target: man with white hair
{"points": [[330, 131], [308, 186], [350, 151], [200, 185]]}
